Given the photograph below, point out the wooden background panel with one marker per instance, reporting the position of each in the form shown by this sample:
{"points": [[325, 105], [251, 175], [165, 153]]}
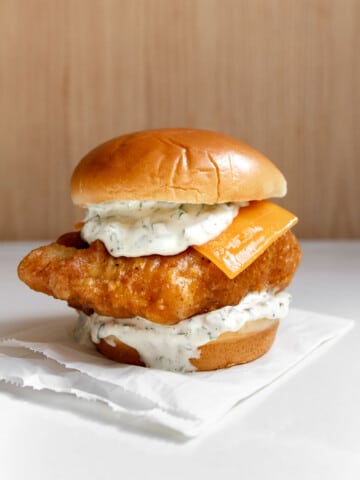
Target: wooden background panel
{"points": [[283, 75]]}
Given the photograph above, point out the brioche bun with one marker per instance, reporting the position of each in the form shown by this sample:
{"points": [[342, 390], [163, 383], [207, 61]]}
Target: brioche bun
{"points": [[175, 165], [253, 340]]}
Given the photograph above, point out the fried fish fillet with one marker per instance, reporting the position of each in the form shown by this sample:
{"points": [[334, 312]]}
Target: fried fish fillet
{"points": [[163, 289]]}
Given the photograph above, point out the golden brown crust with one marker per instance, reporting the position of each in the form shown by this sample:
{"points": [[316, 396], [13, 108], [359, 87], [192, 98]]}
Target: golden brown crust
{"points": [[175, 165], [162, 289], [252, 341]]}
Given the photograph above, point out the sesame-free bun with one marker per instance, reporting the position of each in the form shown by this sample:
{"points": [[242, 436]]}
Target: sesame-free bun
{"points": [[252, 341], [175, 165]]}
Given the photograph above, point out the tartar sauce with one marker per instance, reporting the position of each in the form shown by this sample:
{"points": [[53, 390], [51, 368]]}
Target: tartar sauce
{"points": [[135, 228], [171, 347]]}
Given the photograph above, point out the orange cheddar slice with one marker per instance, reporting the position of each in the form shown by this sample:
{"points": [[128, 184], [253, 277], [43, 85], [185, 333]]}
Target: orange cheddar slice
{"points": [[252, 231]]}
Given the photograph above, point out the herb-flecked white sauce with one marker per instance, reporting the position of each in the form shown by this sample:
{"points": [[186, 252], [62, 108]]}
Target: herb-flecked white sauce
{"points": [[171, 347], [137, 228]]}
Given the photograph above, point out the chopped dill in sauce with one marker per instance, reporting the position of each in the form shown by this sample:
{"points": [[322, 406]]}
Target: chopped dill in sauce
{"points": [[137, 228], [170, 347]]}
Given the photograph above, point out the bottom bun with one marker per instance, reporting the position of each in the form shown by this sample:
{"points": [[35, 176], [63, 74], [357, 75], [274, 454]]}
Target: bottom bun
{"points": [[252, 341]]}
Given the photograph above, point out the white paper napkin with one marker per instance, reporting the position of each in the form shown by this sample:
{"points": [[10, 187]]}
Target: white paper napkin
{"points": [[185, 403]]}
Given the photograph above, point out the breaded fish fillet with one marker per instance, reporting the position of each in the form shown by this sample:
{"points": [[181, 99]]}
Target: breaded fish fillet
{"points": [[163, 289]]}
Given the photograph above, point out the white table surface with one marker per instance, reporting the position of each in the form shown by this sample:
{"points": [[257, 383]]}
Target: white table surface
{"points": [[305, 426]]}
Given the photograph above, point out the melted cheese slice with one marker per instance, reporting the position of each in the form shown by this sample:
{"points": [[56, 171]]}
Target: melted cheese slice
{"points": [[252, 231]]}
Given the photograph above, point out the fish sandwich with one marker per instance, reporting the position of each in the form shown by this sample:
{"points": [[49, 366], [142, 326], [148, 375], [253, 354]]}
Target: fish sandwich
{"points": [[181, 262]]}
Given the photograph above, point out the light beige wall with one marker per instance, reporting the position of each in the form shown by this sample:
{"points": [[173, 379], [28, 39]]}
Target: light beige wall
{"points": [[283, 75]]}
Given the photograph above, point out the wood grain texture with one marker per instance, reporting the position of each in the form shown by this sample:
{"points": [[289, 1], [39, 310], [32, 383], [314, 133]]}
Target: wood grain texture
{"points": [[282, 75]]}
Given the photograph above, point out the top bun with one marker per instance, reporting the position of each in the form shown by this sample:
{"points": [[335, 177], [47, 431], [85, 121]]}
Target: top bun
{"points": [[175, 165]]}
